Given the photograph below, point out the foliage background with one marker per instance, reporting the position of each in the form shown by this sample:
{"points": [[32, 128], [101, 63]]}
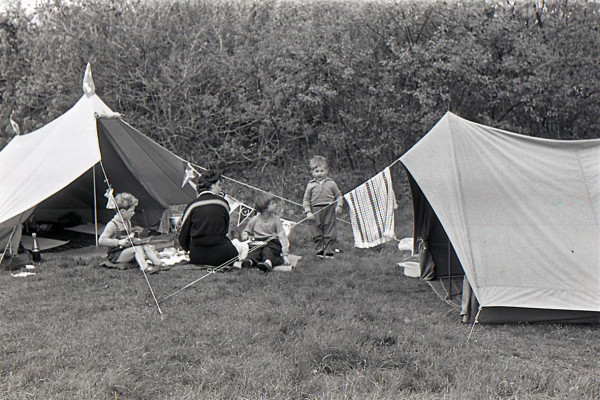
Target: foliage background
{"points": [[258, 87]]}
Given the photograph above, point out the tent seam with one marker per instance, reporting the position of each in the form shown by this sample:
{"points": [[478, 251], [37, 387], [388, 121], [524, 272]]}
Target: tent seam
{"points": [[585, 183], [462, 203]]}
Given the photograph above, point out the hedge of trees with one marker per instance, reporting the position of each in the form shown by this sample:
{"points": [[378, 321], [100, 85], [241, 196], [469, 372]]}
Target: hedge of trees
{"points": [[260, 86]]}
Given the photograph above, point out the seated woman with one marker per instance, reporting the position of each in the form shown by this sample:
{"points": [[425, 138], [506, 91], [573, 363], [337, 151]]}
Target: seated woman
{"points": [[205, 224], [119, 236]]}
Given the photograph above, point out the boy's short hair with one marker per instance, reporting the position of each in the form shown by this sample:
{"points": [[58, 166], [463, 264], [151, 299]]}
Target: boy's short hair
{"points": [[262, 201], [318, 161]]}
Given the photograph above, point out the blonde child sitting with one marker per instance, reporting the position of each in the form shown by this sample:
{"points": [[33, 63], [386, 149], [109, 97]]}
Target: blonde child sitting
{"points": [[118, 235]]}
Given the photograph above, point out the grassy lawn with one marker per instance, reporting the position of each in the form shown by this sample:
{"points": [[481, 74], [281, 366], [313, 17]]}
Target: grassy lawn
{"points": [[350, 328]]}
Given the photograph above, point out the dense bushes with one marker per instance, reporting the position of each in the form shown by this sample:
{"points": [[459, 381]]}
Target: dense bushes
{"points": [[261, 86]]}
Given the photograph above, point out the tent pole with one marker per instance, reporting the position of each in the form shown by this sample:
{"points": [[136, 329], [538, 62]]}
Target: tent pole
{"points": [[95, 206], [449, 272]]}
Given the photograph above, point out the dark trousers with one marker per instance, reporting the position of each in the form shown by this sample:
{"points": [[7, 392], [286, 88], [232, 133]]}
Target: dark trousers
{"points": [[324, 227], [270, 251], [215, 255]]}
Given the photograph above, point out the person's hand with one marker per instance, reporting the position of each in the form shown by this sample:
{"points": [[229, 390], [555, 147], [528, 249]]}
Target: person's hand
{"points": [[338, 210], [310, 216]]}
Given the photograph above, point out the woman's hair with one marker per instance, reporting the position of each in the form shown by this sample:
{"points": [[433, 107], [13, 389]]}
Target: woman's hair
{"points": [[125, 201], [262, 201], [318, 161], [207, 179]]}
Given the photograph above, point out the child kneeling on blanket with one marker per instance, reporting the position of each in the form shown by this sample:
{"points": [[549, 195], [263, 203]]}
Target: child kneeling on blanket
{"points": [[266, 228]]}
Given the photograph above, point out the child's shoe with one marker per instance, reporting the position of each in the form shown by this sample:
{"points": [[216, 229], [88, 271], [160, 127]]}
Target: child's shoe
{"points": [[265, 266], [321, 253], [328, 255], [246, 263]]}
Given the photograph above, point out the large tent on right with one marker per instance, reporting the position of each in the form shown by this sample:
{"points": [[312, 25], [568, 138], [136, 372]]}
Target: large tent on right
{"points": [[518, 216]]}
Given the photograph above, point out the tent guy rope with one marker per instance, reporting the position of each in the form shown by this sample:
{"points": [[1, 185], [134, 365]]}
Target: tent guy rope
{"points": [[476, 322], [283, 198], [231, 261], [260, 190], [130, 237]]}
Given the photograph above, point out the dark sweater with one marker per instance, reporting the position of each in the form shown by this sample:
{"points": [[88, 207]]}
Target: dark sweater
{"points": [[205, 221]]}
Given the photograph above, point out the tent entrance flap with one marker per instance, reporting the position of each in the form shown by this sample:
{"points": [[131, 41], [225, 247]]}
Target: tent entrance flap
{"points": [[428, 228], [74, 205], [136, 164]]}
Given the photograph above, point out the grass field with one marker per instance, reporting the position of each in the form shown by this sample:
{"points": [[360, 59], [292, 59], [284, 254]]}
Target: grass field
{"points": [[350, 328]]}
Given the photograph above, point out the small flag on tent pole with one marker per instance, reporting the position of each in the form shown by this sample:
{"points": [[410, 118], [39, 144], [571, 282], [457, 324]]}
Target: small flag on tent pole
{"points": [[190, 174], [14, 125], [111, 204], [88, 83], [244, 213], [372, 207]]}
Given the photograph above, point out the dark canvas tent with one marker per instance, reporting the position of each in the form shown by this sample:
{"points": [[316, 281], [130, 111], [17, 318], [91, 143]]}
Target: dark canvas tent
{"points": [[64, 168], [519, 216]]}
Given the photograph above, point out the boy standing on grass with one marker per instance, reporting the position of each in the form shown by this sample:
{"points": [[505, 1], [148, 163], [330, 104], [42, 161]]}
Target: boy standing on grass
{"points": [[322, 202], [266, 227]]}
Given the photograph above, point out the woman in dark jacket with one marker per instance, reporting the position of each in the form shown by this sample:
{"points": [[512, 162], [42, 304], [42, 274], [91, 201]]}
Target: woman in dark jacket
{"points": [[205, 224]]}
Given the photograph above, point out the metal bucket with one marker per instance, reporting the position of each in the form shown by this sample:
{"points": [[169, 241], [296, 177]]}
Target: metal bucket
{"points": [[175, 221]]}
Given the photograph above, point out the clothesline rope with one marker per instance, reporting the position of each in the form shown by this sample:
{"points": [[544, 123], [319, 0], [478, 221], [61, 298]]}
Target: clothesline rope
{"points": [[249, 186], [227, 263], [264, 191], [280, 197]]}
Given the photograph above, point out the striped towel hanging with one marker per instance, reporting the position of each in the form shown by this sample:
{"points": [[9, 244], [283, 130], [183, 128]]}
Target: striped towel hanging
{"points": [[372, 207]]}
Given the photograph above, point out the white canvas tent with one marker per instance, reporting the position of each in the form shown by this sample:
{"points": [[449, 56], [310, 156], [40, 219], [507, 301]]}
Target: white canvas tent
{"points": [[519, 215], [66, 166]]}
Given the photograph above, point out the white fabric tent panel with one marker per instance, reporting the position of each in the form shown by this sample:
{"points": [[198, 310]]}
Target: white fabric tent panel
{"points": [[521, 213], [39, 164]]}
